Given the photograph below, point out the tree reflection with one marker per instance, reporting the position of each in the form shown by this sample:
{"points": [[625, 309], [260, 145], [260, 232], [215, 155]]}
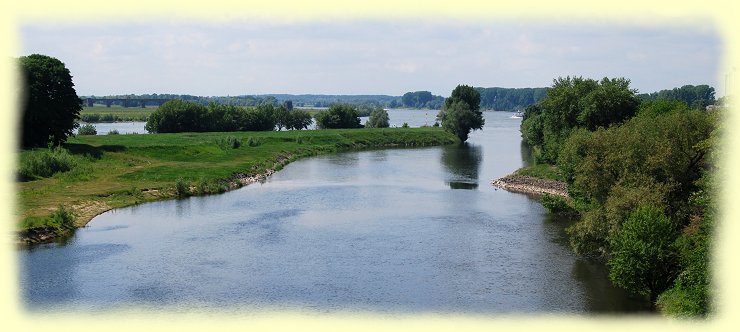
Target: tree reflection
{"points": [[462, 163], [527, 155]]}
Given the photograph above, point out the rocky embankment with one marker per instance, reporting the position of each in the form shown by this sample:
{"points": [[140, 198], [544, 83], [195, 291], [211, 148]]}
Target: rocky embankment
{"points": [[531, 185]]}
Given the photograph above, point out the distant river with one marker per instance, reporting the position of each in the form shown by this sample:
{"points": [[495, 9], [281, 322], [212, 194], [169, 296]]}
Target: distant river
{"points": [[388, 231]]}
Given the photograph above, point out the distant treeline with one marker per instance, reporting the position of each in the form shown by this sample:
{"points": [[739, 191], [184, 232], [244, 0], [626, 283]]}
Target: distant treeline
{"points": [[696, 96], [497, 99]]}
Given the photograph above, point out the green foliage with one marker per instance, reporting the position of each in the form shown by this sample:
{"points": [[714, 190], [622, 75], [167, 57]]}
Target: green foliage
{"points": [[229, 142], [573, 103], [182, 188], [178, 116], [298, 119], [51, 106], [461, 112], [45, 163], [113, 132], [421, 99], [644, 256], [542, 171], [698, 97], [338, 116], [378, 119], [405, 125], [557, 205], [251, 141], [659, 107], [510, 99], [87, 129]]}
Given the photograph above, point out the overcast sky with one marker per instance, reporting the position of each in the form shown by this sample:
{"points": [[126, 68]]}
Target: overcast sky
{"points": [[371, 56]]}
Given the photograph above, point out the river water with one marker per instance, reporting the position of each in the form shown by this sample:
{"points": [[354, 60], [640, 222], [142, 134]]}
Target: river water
{"points": [[382, 231]]}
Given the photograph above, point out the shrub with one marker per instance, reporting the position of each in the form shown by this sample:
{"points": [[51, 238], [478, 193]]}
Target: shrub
{"points": [[251, 141], [338, 116], [229, 143], [62, 219], [90, 118], [87, 129], [378, 119], [644, 257], [45, 163], [558, 205], [113, 132], [182, 188], [405, 125]]}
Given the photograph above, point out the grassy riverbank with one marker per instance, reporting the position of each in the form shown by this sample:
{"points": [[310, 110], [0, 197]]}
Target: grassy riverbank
{"points": [[113, 171]]}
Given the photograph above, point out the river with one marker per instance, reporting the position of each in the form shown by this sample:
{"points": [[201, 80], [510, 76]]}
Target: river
{"points": [[382, 231]]}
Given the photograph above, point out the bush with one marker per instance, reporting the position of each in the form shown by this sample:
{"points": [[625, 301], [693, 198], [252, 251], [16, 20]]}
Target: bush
{"points": [[87, 129], [62, 219], [378, 119], [182, 188], [557, 205], [229, 143], [113, 132], [45, 163], [644, 257], [338, 116], [405, 125], [251, 141]]}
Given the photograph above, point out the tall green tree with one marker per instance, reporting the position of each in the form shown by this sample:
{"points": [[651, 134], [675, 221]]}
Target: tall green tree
{"points": [[378, 119], [50, 104], [644, 257], [461, 112]]}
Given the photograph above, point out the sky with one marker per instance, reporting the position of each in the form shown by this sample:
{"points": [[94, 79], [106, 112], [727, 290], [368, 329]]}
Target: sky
{"points": [[364, 56]]}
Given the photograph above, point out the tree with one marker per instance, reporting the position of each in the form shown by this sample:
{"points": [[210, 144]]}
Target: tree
{"points": [[338, 116], [179, 116], [298, 119], [644, 257], [51, 105], [460, 113], [378, 119]]}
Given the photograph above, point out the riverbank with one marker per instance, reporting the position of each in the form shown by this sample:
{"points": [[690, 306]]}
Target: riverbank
{"points": [[531, 185], [113, 171]]}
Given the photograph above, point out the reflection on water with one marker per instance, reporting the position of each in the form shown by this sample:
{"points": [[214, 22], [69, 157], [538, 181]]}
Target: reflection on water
{"points": [[462, 161]]}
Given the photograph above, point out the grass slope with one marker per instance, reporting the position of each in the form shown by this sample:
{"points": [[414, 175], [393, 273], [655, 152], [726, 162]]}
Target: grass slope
{"points": [[121, 170]]}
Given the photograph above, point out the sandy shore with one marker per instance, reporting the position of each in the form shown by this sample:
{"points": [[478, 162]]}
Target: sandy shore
{"points": [[531, 185]]}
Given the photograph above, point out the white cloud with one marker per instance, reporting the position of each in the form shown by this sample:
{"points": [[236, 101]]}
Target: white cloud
{"points": [[369, 57]]}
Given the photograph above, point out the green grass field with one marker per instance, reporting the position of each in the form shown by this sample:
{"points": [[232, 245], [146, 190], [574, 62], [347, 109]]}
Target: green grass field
{"points": [[120, 170], [118, 113]]}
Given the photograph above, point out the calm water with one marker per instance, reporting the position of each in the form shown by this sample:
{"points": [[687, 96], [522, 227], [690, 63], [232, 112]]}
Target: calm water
{"points": [[389, 231]]}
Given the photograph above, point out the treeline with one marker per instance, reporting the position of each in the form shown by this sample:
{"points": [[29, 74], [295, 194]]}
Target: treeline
{"points": [[187, 116], [510, 99], [696, 96], [499, 99], [640, 174]]}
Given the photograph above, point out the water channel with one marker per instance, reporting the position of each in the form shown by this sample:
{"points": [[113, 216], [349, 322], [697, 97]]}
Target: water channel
{"points": [[382, 231]]}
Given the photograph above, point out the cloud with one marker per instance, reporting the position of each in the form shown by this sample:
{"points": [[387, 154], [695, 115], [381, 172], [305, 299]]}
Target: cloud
{"points": [[369, 56]]}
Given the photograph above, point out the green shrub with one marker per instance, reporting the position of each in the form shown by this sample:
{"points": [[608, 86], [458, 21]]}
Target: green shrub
{"points": [[558, 205], [87, 129], [405, 125], [113, 132], [45, 163], [644, 256], [61, 219], [90, 118], [182, 188], [251, 141], [229, 143]]}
